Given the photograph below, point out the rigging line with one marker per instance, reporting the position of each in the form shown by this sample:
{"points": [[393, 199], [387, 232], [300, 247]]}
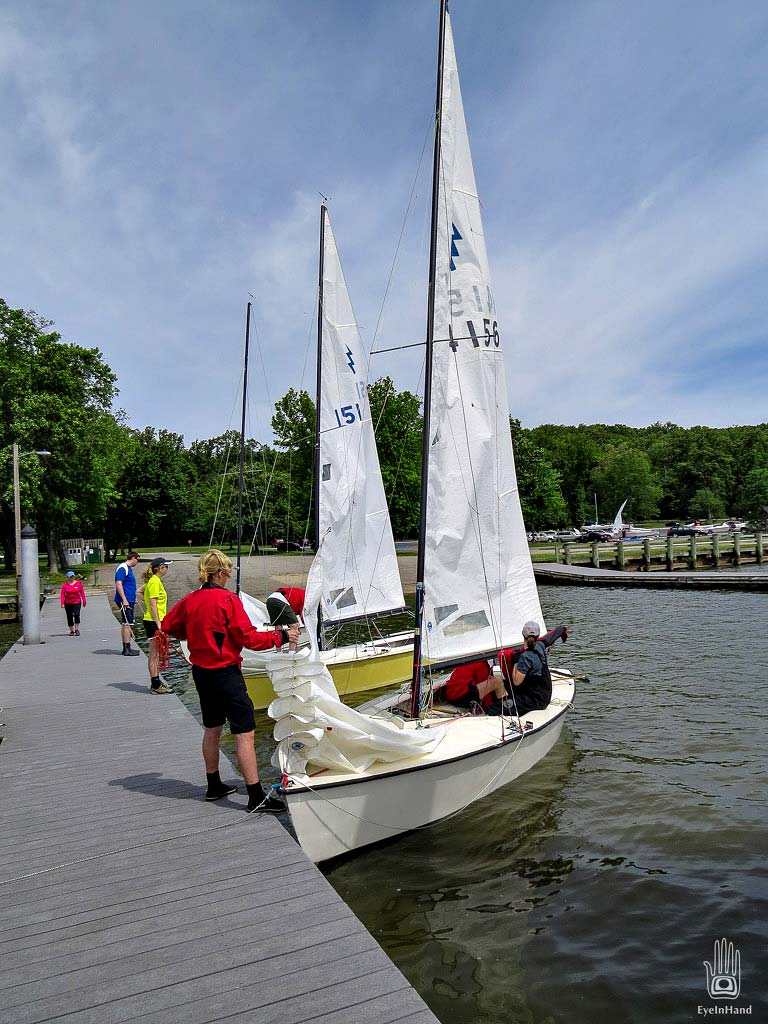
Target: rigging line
{"points": [[429, 132], [226, 464], [419, 344]]}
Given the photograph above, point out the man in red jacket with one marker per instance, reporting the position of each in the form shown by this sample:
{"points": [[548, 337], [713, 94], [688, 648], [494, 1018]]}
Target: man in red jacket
{"points": [[213, 622]]}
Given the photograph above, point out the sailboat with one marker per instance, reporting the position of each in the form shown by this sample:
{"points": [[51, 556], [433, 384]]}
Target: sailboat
{"points": [[352, 778], [355, 548]]}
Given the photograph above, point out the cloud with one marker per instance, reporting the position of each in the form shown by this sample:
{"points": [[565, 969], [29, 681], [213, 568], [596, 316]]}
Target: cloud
{"points": [[166, 162]]}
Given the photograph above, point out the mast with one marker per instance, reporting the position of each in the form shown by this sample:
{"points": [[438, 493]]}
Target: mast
{"points": [[242, 448], [318, 392], [417, 645]]}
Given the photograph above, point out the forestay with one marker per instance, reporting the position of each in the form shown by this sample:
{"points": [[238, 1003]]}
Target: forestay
{"points": [[356, 550], [479, 584]]}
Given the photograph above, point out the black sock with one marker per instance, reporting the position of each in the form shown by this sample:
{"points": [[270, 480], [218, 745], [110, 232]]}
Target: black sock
{"points": [[155, 681], [126, 647], [214, 780], [255, 795]]}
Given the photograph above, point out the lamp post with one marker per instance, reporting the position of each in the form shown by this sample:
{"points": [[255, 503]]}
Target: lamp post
{"points": [[17, 504]]}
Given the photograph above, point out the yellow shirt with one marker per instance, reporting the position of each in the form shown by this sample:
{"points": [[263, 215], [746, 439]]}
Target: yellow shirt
{"points": [[154, 588]]}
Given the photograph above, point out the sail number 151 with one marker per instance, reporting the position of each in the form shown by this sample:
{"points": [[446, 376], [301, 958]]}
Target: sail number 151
{"points": [[348, 414], [490, 334]]}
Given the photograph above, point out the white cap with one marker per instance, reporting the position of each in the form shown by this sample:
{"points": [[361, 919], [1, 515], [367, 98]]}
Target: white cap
{"points": [[531, 629]]}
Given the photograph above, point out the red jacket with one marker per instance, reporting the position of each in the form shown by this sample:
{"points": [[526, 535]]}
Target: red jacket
{"points": [[213, 622], [72, 593], [464, 680], [295, 598]]}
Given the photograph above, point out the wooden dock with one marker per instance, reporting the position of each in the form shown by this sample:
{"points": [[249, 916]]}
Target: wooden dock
{"points": [[702, 579], [124, 895]]}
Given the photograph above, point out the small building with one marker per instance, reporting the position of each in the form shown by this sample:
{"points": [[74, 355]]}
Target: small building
{"points": [[82, 551]]}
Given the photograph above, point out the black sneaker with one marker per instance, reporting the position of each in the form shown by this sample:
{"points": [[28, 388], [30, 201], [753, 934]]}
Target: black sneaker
{"points": [[269, 805], [220, 791], [130, 653]]}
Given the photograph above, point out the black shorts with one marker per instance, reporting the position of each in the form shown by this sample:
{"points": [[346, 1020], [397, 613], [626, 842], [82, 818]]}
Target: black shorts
{"points": [[150, 627], [223, 697], [126, 613]]}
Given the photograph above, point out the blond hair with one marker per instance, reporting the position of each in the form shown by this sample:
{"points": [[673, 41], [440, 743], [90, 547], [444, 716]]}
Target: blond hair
{"points": [[148, 573], [211, 563]]}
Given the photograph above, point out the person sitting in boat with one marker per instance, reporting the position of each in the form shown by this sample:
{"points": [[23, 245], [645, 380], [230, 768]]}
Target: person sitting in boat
{"points": [[472, 684], [285, 606], [526, 671]]}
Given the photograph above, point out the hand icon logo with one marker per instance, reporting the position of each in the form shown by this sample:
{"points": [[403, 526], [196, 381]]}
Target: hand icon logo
{"points": [[724, 974]]}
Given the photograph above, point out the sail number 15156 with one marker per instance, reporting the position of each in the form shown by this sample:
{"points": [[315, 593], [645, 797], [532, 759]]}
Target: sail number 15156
{"points": [[490, 334]]}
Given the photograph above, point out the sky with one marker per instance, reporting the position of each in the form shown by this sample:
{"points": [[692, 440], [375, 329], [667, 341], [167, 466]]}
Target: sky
{"points": [[162, 163]]}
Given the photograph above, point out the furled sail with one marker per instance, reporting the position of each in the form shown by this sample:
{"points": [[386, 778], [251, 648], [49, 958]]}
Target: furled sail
{"points": [[356, 550], [479, 584]]}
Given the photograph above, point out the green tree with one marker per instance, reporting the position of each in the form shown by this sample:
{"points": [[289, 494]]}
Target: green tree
{"points": [[706, 503], [55, 396], [537, 481], [290, 495], [152, 490], [623, 472], [397, 422]]}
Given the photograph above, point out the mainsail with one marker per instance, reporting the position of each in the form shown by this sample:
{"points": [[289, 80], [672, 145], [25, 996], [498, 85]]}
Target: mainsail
{"points": [[479, 586], [356, 551]]}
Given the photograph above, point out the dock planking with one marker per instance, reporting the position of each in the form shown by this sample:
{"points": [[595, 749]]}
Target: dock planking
{"points": [[699, 579], [124, 895]]}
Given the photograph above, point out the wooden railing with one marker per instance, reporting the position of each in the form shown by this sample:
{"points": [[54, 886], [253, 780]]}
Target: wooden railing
{"points": [[666, 553]]}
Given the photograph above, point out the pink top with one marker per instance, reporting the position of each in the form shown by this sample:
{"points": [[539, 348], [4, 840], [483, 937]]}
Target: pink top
{"points": [[73, 593]]}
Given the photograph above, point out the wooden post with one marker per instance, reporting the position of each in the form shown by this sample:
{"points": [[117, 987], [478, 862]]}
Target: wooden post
{"points": [[567, 553], [670, 554], [692, 552], [737, 549], [759, 548], [716, 550], [620, 554], [647, 554], [595, 555]]}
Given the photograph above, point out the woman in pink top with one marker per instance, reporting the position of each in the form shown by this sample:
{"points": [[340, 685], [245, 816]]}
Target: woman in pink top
{"points": [[72, 597]]}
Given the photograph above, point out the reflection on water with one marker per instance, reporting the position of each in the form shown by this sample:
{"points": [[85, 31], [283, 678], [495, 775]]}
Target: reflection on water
{"points": [[592, 889]]}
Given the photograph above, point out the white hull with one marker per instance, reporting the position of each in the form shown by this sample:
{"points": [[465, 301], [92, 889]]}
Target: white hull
{"points": [[339, 813]]}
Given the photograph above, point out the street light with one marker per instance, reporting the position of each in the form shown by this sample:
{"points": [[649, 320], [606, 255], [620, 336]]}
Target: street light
{"points": [[17, 503]]}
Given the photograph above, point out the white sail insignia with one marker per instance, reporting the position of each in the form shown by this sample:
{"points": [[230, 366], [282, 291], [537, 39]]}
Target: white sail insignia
{"points": [[356, 550], [479, 583]]}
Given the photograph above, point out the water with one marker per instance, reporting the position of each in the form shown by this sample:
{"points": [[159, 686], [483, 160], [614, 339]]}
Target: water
{"points": [[593, 891]]}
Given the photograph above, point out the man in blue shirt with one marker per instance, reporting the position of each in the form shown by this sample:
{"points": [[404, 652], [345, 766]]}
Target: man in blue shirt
{"points": [[125, 599]]}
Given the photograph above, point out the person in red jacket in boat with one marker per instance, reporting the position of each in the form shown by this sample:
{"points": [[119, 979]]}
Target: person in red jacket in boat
{"points": [[526, 684], [213, 622], [285, 606]]}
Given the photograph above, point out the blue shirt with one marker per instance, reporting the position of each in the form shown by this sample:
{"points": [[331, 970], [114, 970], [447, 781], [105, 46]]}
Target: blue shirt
{"points": [[124, 573]]}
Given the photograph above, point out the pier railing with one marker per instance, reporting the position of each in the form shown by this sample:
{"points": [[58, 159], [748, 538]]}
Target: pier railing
{"points": [[717, 551]]}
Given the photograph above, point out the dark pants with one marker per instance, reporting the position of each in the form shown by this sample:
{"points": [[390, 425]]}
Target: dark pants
{"points": [[73, 614]]}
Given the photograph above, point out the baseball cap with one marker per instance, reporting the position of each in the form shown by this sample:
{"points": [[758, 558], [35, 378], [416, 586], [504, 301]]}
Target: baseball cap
{"points": [[531, 628], [157, 562], [70, 573]]}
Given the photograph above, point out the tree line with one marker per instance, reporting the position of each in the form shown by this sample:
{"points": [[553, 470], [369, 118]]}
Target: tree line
{"points": [[147, 487]]}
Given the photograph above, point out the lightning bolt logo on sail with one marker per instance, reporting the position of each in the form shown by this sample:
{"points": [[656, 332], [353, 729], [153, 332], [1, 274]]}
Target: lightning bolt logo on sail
{"points": [[455, 237]]}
